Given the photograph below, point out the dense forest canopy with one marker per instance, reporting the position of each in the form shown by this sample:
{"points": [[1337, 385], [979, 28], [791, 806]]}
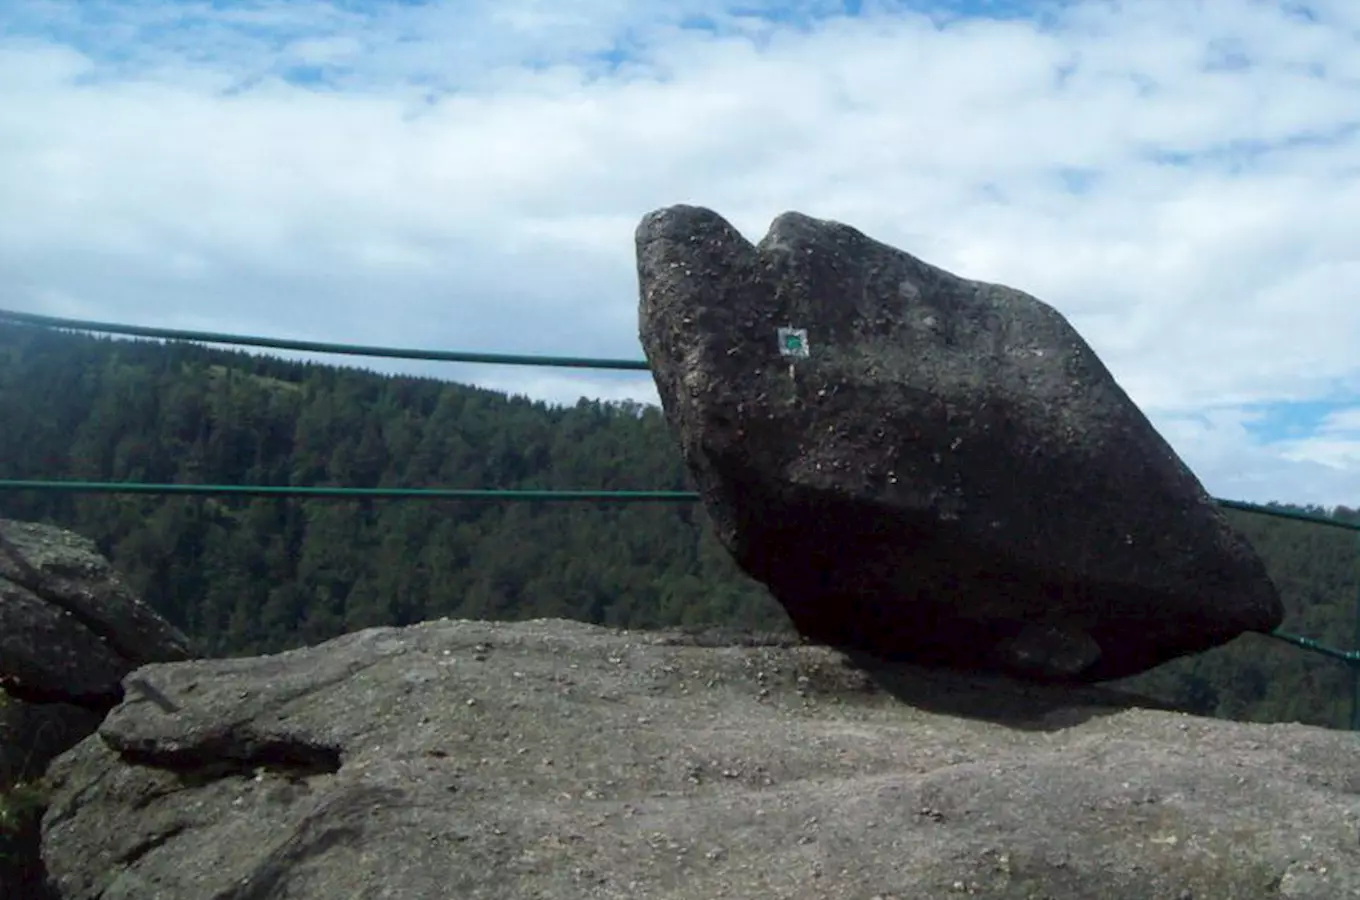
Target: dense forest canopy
{"points": [[246, 576]]}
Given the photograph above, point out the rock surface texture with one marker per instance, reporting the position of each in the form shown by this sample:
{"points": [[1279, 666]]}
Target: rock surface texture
{"points": [[554, 759], [949, 475], [70, 630], [70, 627]]}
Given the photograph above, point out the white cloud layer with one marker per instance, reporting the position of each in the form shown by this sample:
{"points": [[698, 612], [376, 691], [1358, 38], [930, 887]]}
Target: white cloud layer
{"points": [[1181, 179]]}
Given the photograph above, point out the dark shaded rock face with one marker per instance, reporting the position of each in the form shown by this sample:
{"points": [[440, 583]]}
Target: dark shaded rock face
{"points": [[555, 759], [31, 736], [70, 630], [950, 475]]}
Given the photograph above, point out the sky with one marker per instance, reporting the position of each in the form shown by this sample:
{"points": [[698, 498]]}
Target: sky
{"points": [[1179, 178]]}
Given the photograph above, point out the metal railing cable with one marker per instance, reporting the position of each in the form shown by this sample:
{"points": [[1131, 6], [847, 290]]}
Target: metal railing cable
{"points": [[1351, 658]]}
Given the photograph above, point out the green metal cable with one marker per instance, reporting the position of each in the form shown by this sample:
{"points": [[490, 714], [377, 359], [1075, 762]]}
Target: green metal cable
{"points": [[1351, 658], [211, 337], [535, 495], [1278, 513], [260, 490]]}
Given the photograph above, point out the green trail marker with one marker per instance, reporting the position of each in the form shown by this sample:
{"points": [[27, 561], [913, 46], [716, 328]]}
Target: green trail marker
{"points": [[793, 342]]}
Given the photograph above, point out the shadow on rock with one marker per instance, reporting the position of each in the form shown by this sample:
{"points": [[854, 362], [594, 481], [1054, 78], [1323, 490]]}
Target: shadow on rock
{"points": [[998, 699]]}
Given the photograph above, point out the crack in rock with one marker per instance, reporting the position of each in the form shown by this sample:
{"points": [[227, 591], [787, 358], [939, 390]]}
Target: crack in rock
{"points": [[231, 751]]}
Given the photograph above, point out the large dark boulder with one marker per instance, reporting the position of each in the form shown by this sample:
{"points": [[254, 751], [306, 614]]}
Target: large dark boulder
{"points": [[950, 475], [557, 759]]}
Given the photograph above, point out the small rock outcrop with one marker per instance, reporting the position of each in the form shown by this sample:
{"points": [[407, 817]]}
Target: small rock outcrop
{"points": [[70, 630], [556, 759], [926, 467], [70, 627]]}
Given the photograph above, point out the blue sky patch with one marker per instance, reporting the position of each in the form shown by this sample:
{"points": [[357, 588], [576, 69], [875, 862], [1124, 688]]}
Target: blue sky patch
{"points": [[1076, 180], [1293, 421]]}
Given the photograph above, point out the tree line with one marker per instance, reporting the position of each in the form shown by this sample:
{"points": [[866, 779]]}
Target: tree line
{"points": [[257, 575]]}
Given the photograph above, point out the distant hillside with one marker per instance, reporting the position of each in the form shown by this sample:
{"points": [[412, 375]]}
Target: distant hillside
{"points": [[248, 576]]}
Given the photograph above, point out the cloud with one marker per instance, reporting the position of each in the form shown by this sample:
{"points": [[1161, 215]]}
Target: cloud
{"points": [[1181, 180], [1342, 421]]}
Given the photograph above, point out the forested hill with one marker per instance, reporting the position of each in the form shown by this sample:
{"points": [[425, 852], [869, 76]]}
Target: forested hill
{"points": [[254, 575], [246, 575]]}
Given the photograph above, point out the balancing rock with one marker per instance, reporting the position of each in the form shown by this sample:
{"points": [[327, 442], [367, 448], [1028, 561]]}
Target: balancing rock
{"points": [[924, 467]]}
